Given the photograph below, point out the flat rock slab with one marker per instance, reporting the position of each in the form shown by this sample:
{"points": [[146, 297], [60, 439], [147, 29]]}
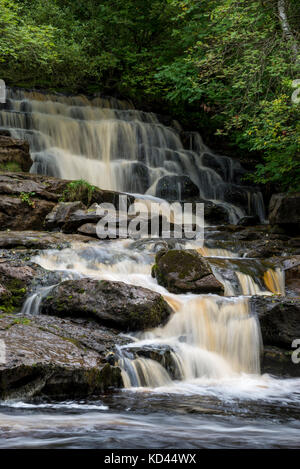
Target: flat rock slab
{"points": [[39, 239], [57, 357]]}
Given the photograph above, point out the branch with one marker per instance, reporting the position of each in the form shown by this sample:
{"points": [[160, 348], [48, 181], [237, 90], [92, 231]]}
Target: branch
{"points": [[287, 29]]}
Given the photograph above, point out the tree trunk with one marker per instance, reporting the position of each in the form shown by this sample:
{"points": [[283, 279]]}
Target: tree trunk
{"points": [[287, 29]]}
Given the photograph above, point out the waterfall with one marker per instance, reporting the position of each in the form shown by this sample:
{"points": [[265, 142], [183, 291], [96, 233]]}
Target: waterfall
{"points": [[209, 339], [114, 146]]}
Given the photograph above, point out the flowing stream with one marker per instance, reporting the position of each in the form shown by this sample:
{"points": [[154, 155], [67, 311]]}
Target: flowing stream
{"points": [[205, 387], [207, 391]]}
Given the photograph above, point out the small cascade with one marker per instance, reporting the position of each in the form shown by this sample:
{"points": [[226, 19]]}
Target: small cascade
{"points": [[275, 281], [114, 146], [33, 302], [248, 284], [143, 372]]}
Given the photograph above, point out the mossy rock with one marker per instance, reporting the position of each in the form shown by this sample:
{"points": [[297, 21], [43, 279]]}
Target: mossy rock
{"points": [[115, 304], [184, 271]]}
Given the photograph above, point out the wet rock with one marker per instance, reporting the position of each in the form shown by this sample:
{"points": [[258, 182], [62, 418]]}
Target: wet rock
{"points": [[176, 188], [15, 278], [14, 154], [27, 199], [116, 304], [284, 209], [79, 218], [18, 214], [55, 357], [60, 214], [292, 275], [236, 195], [263, 249], [19, 277], [279, 319], [15, 184], [185, 271], [278, 362], [161, 353], [215, 214], [38, 240], [249, 221], [88, 229]]}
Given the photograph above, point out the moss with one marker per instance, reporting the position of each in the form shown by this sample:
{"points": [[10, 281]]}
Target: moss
{"points": [[78, 190], [24, 321], [13, 301], [72, 341], [10, 166]]}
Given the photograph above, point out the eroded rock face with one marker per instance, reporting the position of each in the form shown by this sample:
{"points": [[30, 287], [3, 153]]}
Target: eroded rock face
{"points": [[26, 201], [284, 209], [185, 271], [116, 304], [14, 154], [56, 357], [279, 319]]}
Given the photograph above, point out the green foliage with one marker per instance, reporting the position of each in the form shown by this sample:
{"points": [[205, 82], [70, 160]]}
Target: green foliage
{"points": [[238, 68], [26, 198], [221, 66], [78, 190]]}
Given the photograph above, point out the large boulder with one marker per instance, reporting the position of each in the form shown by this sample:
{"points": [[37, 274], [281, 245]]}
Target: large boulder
{"points": [[176, 188], [284, 209], [279, 319], [215, 214], [14, 154], [116, 304], [185, 271], [60, 214], [56, 357]]}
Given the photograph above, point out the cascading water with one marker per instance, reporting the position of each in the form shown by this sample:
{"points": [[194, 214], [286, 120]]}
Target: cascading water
{"points": [[208, 338], [112, 145]]}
